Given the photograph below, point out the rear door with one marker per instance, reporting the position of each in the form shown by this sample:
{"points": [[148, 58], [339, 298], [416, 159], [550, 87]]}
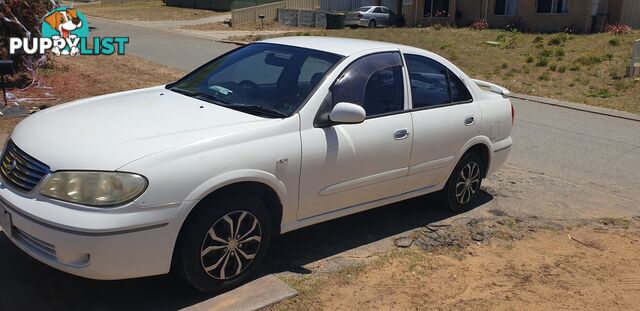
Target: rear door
{"points": [[445, 118]]}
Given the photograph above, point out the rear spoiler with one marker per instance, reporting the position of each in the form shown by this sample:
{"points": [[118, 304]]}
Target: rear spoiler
{"points": [[492, 87]]}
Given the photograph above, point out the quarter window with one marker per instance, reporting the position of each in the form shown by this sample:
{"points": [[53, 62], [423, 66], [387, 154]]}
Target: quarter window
{"points": [[436, 8], [506, 7], [553, 6], [432, 84], [374, 82]]}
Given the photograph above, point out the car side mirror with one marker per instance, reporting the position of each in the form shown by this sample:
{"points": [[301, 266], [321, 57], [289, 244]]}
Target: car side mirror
{"points": [[347, 113]]}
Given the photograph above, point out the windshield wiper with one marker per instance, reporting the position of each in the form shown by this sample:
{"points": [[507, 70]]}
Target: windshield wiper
{"points": [[204, 96], [258, 109], [263, 110]]}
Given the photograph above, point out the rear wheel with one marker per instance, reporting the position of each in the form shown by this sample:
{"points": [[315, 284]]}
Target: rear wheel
{"points": [[224, 243], [372, 23], [464, 183]]}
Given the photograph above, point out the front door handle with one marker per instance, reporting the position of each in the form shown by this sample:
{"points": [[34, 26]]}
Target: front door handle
{"points": [[401, 134], [470, 120]]}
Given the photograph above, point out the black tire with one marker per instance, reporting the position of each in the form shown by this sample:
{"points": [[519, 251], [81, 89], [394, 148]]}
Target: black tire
{"points": [[372, 23], [472, 164], [353, 27], [195, 238]]}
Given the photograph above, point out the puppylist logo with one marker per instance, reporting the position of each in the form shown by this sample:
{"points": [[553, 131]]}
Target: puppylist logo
{"points": [[65, 31]]}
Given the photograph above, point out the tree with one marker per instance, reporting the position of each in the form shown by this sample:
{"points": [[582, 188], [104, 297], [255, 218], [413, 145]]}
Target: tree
{"points": [[23, 19]]}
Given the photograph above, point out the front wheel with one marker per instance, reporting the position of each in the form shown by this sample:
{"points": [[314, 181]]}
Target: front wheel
{"points": [[223, 243], [464, 183]]}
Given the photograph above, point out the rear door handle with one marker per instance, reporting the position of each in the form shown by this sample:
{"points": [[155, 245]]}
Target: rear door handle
{"points": [[401, 134], [470, 120]]}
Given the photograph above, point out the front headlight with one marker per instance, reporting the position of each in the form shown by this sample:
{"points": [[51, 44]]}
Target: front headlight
{"points": [[94, 188]]}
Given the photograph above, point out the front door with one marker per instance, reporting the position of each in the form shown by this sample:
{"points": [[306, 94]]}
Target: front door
{"points": [[347, 165]]}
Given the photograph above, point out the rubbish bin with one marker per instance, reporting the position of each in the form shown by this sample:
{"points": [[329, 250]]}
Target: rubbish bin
{"points": [[335, 21]]}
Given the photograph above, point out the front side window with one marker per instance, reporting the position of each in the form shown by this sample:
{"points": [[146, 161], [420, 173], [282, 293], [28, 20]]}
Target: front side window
{"points": [[264, 79], [436, 8], [432, 84], [374, 82], [553, 6], [506, 7]]}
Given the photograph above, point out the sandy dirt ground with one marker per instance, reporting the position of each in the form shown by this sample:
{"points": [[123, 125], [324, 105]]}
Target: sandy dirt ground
{"points": [[533, 242]]}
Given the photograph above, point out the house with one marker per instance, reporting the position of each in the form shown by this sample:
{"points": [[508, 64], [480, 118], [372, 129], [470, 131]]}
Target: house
{"points": [[532, 15]]}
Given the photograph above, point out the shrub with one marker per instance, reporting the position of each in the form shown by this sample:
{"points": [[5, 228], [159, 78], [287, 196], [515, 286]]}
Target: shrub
{"points": [[574, 67], [588, 60], [553, 67], [512, 40], [545, 76], [558, 39], [479, 24], [618, 29], [615, 42], [600, 93], [530, 59], [546, 53], [560, 53], [543, 61], [608, 56], [504, 66], [20, 18], [538, 39], [562, 69]]}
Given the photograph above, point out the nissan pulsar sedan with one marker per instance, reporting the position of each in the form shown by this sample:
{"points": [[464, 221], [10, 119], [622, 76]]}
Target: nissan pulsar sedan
{"points": [[196, 177]]}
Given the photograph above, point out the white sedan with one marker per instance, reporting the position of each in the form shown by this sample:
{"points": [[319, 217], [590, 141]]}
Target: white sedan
{"points": [[197, 176]]}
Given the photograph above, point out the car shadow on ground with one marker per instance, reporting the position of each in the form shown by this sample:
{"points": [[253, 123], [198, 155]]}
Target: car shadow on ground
{"points": [[26, 284]]}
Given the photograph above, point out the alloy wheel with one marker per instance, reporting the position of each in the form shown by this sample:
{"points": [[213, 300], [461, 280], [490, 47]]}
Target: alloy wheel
{"points": [[468, 182], [230, 245]]}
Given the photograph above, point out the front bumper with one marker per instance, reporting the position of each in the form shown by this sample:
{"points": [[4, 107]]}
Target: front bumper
{"points": [[93, 244]]}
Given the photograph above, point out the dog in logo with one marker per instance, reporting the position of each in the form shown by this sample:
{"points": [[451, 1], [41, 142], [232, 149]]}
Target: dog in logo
{"points": [[64, 22]]}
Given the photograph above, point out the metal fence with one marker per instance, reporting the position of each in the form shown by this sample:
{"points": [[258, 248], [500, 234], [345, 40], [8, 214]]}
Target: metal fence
{"points": [[302, 18], [631, 13], [303, 4], [250, 15], [350, 5]]}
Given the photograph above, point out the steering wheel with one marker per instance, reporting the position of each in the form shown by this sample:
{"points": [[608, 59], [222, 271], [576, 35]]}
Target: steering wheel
{"points": [[254, 87]]}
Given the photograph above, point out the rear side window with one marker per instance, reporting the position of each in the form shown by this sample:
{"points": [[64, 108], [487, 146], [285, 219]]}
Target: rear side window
{"points": [[375, 82], [377, 10], [432, 84]]}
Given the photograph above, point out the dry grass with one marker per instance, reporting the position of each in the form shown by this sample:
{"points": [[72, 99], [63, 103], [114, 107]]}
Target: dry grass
{"points": [[153, 10], [71, 78], [544, 271], [586, 69]]}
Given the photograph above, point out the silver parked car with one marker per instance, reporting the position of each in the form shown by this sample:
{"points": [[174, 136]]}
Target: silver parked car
{"points": [[370, 16]]}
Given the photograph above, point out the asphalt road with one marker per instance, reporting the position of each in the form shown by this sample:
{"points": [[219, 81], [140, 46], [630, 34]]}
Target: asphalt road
{"points": [[586, 164], [161, 46]]}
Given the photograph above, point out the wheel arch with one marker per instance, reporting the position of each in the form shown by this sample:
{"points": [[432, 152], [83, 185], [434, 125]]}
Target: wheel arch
{"points": [[482, 146], [262, 185]]}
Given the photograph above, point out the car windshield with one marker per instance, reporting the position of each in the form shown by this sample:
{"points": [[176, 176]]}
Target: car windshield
{"points": [[268, 80], [364, 8]]}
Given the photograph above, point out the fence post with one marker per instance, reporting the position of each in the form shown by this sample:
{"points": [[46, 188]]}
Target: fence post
{"points": [[634, 68]]}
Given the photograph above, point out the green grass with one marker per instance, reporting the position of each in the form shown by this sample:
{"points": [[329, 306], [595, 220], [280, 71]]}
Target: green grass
{"points": [[599, 61]]}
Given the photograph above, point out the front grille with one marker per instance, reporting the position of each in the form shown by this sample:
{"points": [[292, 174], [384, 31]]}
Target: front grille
{"points": [[21, 170]]}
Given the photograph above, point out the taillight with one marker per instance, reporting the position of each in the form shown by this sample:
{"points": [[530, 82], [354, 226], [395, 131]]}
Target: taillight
{"points": [[359, 15], [513, 114]]}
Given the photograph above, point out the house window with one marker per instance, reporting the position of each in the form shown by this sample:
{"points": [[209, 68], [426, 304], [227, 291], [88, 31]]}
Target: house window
{"points": [[553, 6], [506, 7], [436, 8]]}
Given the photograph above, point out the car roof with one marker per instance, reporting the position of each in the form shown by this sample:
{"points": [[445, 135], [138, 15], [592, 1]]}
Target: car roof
{"points": [[341, 46]]}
